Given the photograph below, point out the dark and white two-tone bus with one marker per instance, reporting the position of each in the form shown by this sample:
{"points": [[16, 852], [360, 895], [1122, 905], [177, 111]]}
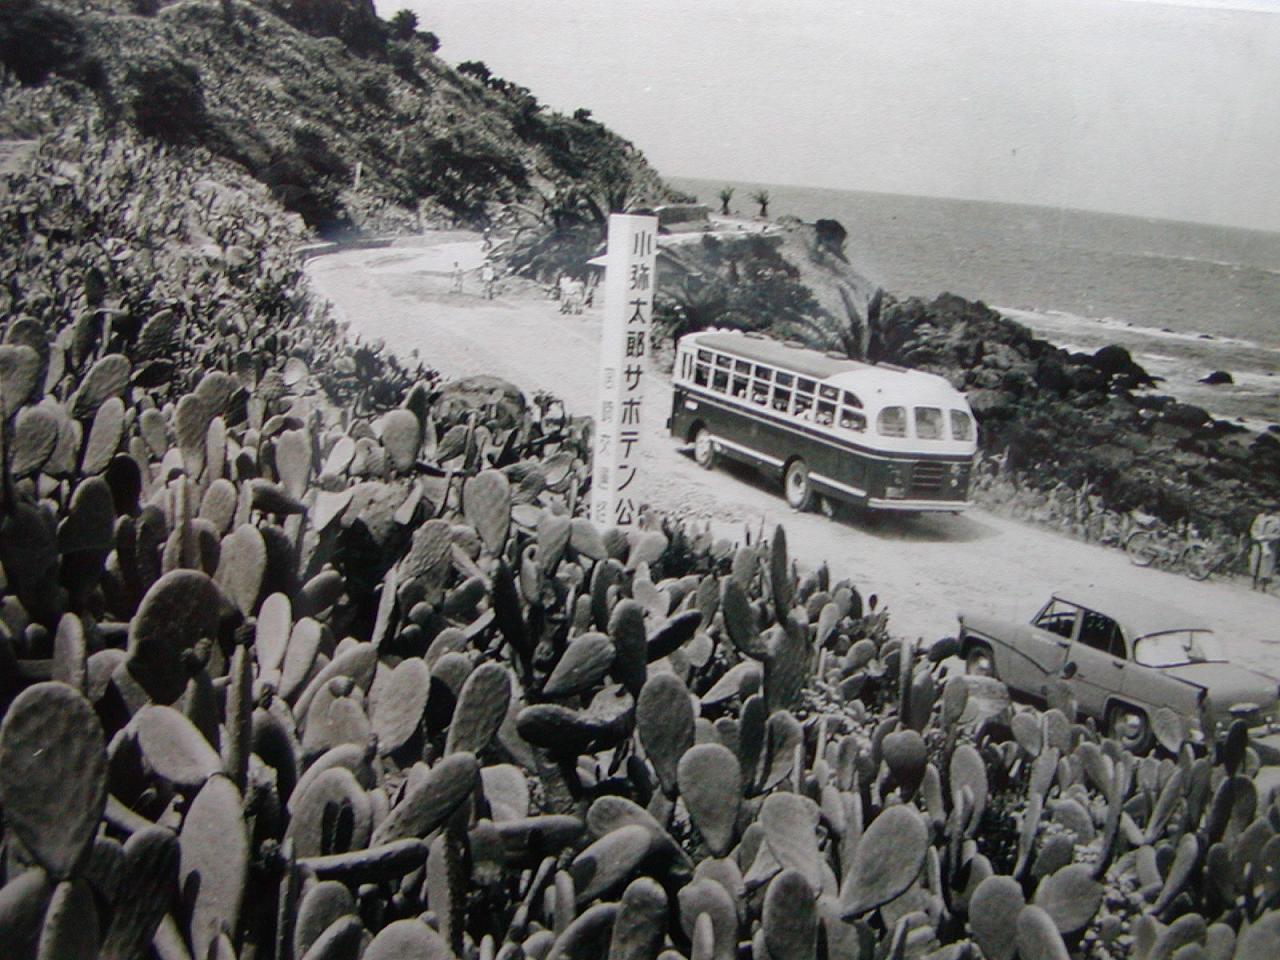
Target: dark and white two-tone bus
{"points": [[876, 436]]}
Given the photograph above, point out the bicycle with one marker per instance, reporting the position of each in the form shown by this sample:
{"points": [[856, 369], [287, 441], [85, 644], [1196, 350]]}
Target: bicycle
{"points": [[1185, 552], [1204, 559], [1150, 545]]}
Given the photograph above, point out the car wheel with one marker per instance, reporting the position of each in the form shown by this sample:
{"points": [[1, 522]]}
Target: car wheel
{"points": [[704, 451], [979, 661], [796, 486], [1130, 727]]}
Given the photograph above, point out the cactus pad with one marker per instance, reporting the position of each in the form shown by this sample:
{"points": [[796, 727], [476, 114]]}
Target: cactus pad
{"points": [[53, 775]]}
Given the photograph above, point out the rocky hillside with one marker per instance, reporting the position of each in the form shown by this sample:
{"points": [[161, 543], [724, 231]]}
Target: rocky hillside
{"points": [[1080, 418], [788, 278], [349, 121]]}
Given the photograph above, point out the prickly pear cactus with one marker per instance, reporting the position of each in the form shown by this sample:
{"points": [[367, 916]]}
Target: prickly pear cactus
{"points": [[53, 768]]}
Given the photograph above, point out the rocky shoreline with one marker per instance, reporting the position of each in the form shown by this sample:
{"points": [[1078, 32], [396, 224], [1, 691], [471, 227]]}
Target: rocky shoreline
{"points": [[1086, 418]]}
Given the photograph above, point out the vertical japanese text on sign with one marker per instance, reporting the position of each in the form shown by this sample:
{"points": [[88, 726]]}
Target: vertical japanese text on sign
{"points": [[628, 310]]}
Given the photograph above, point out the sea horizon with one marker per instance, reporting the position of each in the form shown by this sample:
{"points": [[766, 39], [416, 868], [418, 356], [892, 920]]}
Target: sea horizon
{"points": [[674, 179], [1186, 299]]}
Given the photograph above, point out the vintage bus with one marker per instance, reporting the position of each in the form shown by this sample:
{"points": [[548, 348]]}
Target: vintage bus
{"points": [[875, 436]]}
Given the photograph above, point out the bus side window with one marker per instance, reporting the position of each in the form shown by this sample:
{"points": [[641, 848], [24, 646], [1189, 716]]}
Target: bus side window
{"points": [[804, 397], [928, 423], [759, 393], [781, 399], [852, 420], [851, 400], [826, 413], [720, 377], [702, 371], [892, 422], [740, 386], [961, 425]]}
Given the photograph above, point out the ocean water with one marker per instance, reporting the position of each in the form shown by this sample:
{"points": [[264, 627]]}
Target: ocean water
{"points": [[1184, 298]]}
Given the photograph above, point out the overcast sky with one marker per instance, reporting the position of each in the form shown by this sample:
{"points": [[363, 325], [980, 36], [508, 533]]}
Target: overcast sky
{"points": [[1155, 109]]}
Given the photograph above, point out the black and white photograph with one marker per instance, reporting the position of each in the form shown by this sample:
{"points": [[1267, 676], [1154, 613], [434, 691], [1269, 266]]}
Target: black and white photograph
{"points": [[666, 480]]}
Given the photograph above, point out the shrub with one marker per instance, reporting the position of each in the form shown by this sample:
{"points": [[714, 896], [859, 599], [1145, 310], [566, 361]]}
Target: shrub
{"points": [[37, 41], [475, 68], [402, 60], [404, 24], [168, 100]]}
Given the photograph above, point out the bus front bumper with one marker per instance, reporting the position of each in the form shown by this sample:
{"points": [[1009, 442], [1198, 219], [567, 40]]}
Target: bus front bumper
{"points": [[951, 506]]}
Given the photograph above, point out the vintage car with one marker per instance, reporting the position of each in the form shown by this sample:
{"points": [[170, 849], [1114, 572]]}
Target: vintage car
{"points": [[1124, 660]]}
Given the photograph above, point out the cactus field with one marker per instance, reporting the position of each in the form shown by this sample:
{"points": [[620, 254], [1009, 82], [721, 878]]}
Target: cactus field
{"points": [[308, 656]]}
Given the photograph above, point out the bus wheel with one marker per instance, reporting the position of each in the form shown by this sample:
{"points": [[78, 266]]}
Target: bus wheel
{"points": [[797, 487], [704, 452]]}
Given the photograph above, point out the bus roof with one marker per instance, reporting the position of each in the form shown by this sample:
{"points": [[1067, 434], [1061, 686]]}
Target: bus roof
{"points": [[862, 378], [803, 360]]}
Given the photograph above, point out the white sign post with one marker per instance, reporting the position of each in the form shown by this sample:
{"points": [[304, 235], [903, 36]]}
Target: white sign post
{"points": [[624, 346]]}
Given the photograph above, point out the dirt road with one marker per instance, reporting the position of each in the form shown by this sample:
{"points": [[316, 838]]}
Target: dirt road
{"points": [[926, 568]]}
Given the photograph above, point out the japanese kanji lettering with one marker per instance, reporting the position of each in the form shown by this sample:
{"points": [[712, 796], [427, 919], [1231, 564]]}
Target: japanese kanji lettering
{"points": [[624, 512], [640, 277]]}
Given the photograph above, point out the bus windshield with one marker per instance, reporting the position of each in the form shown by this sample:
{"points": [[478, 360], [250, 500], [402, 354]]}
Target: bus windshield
{"points": [[928, 423], [892, 422]]}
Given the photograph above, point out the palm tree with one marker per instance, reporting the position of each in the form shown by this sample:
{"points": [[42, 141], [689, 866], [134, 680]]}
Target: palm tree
{"points": [[761, 197], [726, 194]]}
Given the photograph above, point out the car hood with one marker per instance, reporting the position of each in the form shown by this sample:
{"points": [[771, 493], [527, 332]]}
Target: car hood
{"points": [[1228, 684]]}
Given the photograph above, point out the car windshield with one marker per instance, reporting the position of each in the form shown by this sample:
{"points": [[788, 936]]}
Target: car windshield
{"points": [[1177, 647]]}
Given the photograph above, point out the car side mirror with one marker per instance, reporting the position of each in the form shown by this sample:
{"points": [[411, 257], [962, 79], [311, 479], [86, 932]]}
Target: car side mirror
{"points": [[1068, 670]]}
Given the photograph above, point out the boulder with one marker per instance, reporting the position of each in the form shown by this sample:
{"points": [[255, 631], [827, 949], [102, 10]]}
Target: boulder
{"points": [[1115, 362], [992, 403], [1218, 378], [480, 392], [1185, 415]]}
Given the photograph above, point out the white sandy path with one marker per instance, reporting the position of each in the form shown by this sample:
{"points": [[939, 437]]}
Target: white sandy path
{"points": [[926, 568]]}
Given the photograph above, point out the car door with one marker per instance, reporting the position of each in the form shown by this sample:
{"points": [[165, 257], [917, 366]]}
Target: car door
{"points": [[1040, 648], [1097, 662]]}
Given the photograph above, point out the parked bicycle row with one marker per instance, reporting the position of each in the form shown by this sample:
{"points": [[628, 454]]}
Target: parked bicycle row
{"points": [[1081, 512]]}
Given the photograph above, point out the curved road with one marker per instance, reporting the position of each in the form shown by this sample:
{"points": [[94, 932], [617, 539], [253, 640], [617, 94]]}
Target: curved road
{"points": [[925, 568]]}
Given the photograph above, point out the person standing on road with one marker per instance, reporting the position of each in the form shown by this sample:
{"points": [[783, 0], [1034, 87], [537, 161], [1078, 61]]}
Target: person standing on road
{"points": [[1265, 534], [457, 277], [488, 277], [565, 286]]}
